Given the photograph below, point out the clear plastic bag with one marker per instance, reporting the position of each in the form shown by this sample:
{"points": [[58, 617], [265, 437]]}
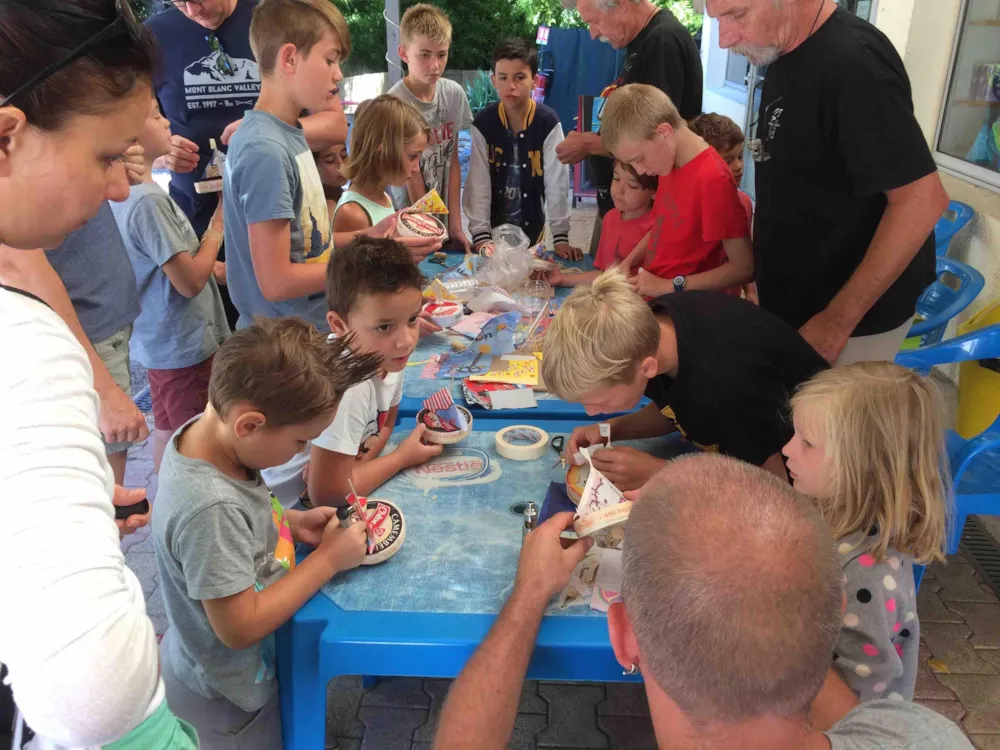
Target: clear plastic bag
{"points": [[510, 264]]}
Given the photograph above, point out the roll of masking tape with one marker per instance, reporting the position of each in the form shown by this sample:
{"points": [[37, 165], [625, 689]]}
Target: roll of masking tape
{"points": [[522, 442]]}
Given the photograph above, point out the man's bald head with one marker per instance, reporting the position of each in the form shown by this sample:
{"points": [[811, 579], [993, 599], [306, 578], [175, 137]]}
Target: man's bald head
{"points": [[733, 590]]}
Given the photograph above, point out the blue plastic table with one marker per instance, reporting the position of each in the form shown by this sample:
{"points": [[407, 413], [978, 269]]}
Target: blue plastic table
{"points": [[423, 612]]}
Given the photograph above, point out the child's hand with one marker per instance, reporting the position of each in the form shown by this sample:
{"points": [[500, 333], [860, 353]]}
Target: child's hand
{"points": [[582, 437], [555, 277], [219, 272], [413, 451], [750, 291], [427, 326], [135, 165], [420, 247], [647, 284], [386, 227], [567, 251], [345, 548], [309, 525], [456, 233]]}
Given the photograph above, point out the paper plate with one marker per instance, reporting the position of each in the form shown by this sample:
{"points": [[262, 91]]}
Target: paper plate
{"points": [[605, 526], [411, 224], [442, 437]]}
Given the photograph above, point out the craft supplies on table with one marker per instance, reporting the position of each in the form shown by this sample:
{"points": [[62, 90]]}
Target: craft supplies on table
{"points": [[522, 442]]}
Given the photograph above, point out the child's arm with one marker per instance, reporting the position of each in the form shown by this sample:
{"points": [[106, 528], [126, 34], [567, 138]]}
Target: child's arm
{"points": [[558, 278], [738, 271], [638, 253], [278, 277], [557, 195], [454, 199], [477, 191], [188, 274], [834, 702], [325, 129], [329, 471], [244, 619]]}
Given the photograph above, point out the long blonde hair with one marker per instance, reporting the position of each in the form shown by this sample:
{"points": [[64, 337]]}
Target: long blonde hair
{"points": [[382, 128], [884, 429]]}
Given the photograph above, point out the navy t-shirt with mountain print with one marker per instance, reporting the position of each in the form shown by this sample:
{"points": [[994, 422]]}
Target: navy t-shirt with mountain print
{"points": [[206, 81]]}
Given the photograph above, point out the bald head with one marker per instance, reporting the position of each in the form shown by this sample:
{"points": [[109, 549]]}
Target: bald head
{"points": [[733, 590]]}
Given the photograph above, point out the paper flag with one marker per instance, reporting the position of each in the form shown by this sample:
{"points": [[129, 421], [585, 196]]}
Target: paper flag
{"points": [[599, 492], [438, 292], [450, 418], [496, 337], [518, 370], [430, 204], [360, 509]]}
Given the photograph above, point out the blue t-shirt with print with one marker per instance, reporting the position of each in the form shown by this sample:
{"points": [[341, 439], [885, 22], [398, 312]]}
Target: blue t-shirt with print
{"points": [[207, 79], [271, 175]]}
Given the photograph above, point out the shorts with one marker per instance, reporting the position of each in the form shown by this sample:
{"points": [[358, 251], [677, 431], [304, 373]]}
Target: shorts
{"points": [[179, 395], [221, 725], [114, 353]]}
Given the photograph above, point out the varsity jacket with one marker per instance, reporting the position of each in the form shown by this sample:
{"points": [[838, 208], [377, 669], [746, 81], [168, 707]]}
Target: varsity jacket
{"points": [[544, 179]]}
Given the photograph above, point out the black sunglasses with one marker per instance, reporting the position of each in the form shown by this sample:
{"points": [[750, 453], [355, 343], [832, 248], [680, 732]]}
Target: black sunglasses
{"points": [[124, 21]]}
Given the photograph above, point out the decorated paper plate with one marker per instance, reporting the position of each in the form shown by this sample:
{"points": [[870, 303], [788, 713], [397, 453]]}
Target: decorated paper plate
{"points": [[444, 314], [440, 432], [413, 224]]}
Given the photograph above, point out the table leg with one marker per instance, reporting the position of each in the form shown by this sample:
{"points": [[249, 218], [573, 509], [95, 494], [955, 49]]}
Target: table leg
{"points": [[302, 689]]}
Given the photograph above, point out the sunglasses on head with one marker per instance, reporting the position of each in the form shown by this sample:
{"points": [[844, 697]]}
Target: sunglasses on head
{"points": [[124, 21]]}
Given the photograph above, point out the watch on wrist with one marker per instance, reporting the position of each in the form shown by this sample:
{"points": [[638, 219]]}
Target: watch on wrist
{"points": [[679, 283]]}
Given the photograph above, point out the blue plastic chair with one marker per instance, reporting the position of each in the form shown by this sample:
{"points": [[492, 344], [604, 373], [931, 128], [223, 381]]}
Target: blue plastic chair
{"points": [[940, 303], [975, 463], [956, 217]]}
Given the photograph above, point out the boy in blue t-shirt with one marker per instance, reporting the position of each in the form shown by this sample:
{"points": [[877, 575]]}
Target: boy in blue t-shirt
{"points": [[182, 321], [278, 233]]}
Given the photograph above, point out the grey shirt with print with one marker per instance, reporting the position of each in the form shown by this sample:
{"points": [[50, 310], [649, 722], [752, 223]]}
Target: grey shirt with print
{"points": [[877, 652], [446, 114], [214, 536], [895, 725]]}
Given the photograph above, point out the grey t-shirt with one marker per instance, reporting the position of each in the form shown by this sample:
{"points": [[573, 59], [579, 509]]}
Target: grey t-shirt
{"points": [[446, 114], [895, 725], [271, 174], [171, 331], [95, 269], [216, 536]]}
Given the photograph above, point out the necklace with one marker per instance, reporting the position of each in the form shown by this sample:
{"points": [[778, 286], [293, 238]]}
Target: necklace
{"points": [[819, 12]]}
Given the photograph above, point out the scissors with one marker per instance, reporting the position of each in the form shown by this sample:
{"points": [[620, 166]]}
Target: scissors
{"points": [[473, 368], [558, 443]]}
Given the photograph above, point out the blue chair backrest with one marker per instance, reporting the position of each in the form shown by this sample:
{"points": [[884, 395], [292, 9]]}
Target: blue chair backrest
{"points": [[956, 217], [940, 303]]}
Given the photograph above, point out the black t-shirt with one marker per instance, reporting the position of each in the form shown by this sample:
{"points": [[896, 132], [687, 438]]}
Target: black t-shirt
{"points": [[836, 118], [737, 368], [664, 55]]}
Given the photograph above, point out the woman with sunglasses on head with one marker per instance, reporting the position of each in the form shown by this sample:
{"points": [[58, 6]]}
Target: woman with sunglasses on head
{"points": [[74, 93]]}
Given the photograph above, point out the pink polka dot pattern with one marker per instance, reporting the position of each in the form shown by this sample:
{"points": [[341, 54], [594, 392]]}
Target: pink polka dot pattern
{"points": [[870, 649], [890, 605], [897, 627], [867, 560], [879, 687], [899, 650]]}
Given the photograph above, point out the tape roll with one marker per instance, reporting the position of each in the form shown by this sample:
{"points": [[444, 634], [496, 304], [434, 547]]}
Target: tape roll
{"points": [[522, 442]]}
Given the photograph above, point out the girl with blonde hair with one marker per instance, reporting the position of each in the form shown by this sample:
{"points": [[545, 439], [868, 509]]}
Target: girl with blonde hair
{"points": [[869, 447], [387, 139]]}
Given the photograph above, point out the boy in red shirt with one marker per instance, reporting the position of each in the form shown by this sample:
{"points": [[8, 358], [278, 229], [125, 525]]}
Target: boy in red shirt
{"points": [[623, 227], [700, 237]]}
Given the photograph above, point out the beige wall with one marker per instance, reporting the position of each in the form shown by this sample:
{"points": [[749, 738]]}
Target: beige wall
{"points": [[923, 31]]}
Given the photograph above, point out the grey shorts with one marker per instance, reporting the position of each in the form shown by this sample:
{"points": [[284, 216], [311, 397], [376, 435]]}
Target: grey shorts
{"points": [[114, 353], [221, 725]]}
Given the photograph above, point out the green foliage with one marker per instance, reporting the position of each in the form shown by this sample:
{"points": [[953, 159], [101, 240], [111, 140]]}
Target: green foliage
{"points": [[478, 24], [480, 92]]}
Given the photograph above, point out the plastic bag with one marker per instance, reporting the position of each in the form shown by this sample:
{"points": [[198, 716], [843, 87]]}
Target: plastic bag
{"points": [[510, 264]]}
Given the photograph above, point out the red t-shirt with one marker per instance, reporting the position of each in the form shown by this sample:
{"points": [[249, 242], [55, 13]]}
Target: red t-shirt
{"points": [[748, 207], [697, 206], [619, 237]]}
